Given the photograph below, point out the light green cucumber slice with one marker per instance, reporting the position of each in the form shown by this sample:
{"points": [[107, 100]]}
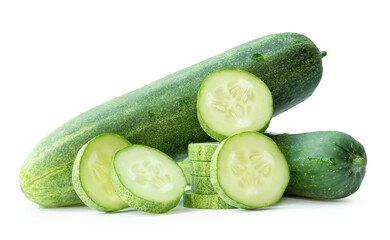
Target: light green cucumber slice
{"points": [[193, 200], [232, 101], [249, 171], [147, 179], [90, 174], [185, 166], [202, 185], [202, 151], [201, 169]]}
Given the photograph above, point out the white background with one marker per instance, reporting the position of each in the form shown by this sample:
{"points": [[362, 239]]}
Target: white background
{"points": [[60, 58]]}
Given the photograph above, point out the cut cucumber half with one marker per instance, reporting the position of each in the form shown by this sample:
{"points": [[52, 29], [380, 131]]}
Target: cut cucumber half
{"points": [[201, 169], [202, 151], [185, 166], [249, 171], [90, 174], [232, 101], [147, 179], [202, 185], [193, 200]]}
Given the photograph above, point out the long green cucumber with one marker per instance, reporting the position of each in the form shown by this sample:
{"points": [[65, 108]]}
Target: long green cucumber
{"points": [[325, 164], [163, 114]]}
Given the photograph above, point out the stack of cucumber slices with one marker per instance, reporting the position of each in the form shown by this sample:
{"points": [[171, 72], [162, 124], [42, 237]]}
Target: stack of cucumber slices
{"points": [[243, 168]]}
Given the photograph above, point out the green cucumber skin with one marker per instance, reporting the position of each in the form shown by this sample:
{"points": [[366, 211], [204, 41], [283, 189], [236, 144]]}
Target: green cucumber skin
{"points": [[193, 200], [201, 169], [202, 151], [185, 167], [163, 114], [324, 164], [202, 185]]}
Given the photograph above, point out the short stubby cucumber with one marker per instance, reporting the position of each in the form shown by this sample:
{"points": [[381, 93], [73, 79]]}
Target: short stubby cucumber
{"points": [[202, 151], [289, 63], [147, 179], [249, 171], [91, 172], [202, 185], [201, 169], [232, 101], [193, 200], [324, 164]]}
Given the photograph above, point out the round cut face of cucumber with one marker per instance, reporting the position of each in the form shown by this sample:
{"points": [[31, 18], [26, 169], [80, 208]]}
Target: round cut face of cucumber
{"points": [[232, 101], [149, 174], [91, 172], [249, 171]]}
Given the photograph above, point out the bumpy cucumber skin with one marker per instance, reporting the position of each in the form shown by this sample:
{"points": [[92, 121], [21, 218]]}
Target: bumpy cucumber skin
{"points": [[201, 169], [324, 164], [166, 110], [192, 200], [217, 186], [185, 167], [211, 132], [77, 184], [202, 151], [137, 202], [202, 185]]}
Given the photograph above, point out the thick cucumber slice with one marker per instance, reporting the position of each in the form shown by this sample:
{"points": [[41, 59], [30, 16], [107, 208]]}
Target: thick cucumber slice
{"points": [[91, 172], [201, 169], [147, 179], [202, 185], [249, 171], [232, 101], [202, 151], [193, 200], [185, 166]]}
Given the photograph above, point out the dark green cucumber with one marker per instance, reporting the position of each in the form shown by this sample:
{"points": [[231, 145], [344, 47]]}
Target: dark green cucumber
{"points": [[193, 200], [326, 164], [202, 185], [163, 114]]}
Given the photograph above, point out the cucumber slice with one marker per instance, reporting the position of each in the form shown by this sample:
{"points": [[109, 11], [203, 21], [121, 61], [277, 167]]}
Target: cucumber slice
{"points": [[202, 185], [201, 169], [90, 174], [185, 166], [232, 101], [147, 179], [249, 171], [202, 151], [193, 200]]}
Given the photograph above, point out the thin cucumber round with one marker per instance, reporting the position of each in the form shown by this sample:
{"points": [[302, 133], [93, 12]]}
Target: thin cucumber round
{"points": [[202, 185], [193, 200], [185, 166], [202, 151], [147, 179], [231, 101], [91, 172], [201, 169], [249, 171]]}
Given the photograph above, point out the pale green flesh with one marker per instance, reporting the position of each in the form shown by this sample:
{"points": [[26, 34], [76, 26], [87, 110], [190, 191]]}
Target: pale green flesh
{"points": [[94, 170], [149, 174], [232, 101], [251, 170]]}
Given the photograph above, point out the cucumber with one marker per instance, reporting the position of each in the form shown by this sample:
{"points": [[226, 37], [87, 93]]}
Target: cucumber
{"points": [[324, 164], [201, 169], [147, 179], [249, 171], [163, 114], [193, 200], [202, 151], [185, 167], [202, 185], [91, 172], [232, 101]]}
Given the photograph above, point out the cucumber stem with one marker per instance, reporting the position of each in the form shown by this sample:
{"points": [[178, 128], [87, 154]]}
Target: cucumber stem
{"points": [[323, 54], [358, 163]]}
